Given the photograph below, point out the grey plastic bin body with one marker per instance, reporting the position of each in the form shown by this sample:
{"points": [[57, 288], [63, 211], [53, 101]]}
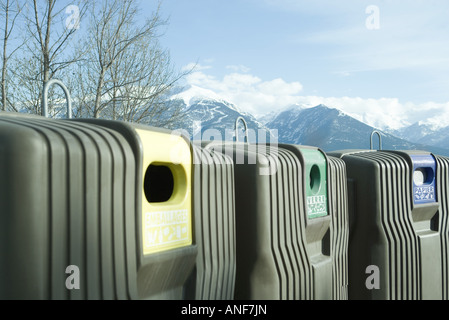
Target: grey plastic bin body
{"points": [[163, 274], [208, 271], [64, 196], [70, 195], [339, 228], [337, 237], [281, 255], [394, 225], [443, 200], [213, 277]]}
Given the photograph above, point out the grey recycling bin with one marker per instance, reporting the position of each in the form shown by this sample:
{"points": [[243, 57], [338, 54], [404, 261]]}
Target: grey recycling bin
{"points": [[213, 277], [396, 249], [335, 243], [83, 195], [442, 189], [165, 251], [339, 230], [204, 270], [284, 221], [64, 193]]}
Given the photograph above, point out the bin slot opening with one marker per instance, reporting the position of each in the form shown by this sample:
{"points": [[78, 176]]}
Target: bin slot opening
{"points": [[159, 183], [423, 176], [315, 179]]}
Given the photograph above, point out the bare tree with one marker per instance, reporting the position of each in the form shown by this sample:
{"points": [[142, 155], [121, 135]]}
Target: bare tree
{"points": [[115, 68], [25, 83], [140, 79], [51, 28], [127, 70], [10, 10]]}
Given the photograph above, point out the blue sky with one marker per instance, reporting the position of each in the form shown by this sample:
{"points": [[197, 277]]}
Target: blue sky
{"points": [[384, 62]]}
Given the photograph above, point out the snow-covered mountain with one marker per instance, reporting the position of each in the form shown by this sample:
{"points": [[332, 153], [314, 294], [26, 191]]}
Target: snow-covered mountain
{"points": [[191, 95], [425, 133], [210, 117], [331, 129], [266, 118]]}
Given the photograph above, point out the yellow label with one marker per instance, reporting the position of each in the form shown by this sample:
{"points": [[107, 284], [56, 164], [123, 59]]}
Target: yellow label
{"points": [[167, 225], [166, 228]]}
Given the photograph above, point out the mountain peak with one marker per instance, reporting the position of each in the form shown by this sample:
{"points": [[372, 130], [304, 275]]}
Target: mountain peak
{"points": [[192, 94]]}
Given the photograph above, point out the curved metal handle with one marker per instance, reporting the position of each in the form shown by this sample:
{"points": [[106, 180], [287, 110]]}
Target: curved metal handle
{"points": [[236, 129], [45, 97], [380, 140]]}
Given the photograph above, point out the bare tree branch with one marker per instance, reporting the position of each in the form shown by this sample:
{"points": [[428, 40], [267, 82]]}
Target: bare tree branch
{"points": [[49, 44], [128, 74], [8, 8]]}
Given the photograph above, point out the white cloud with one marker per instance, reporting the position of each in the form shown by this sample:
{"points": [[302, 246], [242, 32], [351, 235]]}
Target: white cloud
{"points": [[280, 87], [439, 114], [249, 92], [385, 113], [381, 113], [257, 96]]}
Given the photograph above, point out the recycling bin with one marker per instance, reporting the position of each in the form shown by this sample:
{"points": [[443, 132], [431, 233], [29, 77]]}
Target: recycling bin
{"points": [[442, 176], [325, 178], [213, 277], [105, 199], [395, 248], [283, 223], [165, 251], [62, 207], [339, 228]]}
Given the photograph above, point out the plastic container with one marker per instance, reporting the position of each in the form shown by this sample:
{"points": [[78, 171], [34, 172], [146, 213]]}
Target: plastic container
{"points": [[395, 224]]}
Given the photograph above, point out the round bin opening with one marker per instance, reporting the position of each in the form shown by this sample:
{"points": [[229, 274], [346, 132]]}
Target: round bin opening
{"points": [[315, 179], [423, 176], [158, 184]]}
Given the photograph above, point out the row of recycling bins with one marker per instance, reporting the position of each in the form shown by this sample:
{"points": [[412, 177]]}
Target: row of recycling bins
{"points": [[143, 213]]}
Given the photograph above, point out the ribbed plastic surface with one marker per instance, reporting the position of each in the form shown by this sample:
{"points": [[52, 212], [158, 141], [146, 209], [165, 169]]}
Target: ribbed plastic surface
{"points": [[329, 249], [286, 217], [281, 254], [71, 194], [66, 193], [160, 275], [389, 230], [443, 197], [213, 277], [338, 199]]}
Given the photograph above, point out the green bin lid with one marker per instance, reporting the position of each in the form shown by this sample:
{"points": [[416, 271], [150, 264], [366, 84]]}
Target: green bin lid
{"points": [[315, 174]]}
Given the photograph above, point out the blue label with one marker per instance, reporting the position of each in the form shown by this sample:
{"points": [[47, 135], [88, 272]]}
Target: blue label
{"points": [[424, 169]]}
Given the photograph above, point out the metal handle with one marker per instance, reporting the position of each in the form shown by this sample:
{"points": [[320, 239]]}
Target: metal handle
{"points": [[380, 140], [236, 129], [45, 97]]}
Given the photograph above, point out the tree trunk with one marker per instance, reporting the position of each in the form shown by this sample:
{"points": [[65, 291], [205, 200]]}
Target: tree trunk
{"points": [[3, 85], [5, 59], [46, 50], [98, 95]]}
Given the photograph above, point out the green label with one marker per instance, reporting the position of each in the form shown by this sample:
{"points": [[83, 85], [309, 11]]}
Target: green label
{"points": [[315, 173]]}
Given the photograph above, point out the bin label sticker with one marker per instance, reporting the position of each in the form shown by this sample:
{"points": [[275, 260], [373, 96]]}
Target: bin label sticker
{"points": [[166, 230], [316, 206], [424, 193]]}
